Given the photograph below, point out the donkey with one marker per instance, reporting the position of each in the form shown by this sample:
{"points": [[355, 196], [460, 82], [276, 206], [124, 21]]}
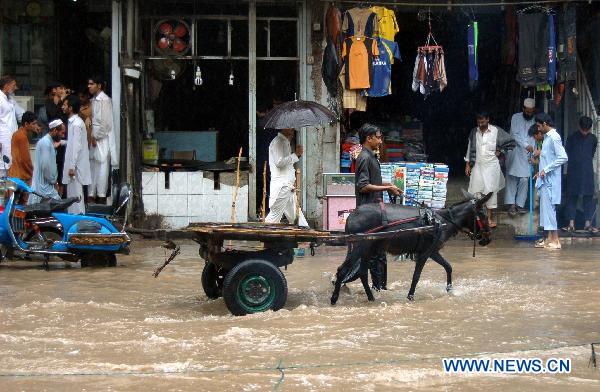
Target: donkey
{"points": [[468, 216]]}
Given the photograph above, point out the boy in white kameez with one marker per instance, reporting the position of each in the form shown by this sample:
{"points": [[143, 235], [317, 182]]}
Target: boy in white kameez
{"points": [[549, 179]]}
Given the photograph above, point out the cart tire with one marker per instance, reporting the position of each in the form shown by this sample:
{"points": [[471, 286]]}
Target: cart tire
{"points": [[98, 260], [212, 283], [254, 286], [111, 260]]}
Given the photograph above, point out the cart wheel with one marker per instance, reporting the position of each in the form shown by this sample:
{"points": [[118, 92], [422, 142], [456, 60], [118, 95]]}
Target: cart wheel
{"points": [[254, 286], [212, 283]]}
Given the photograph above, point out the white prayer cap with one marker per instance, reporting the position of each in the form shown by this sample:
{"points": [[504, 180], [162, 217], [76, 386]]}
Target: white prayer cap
{"points": [[55, 123], [529, 103]]}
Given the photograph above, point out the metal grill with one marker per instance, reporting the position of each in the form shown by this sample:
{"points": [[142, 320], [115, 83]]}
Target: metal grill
{"points": [[18, 221]]}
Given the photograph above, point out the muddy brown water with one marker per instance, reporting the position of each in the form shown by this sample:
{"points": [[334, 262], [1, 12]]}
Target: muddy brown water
{"points": [[122, 329]]}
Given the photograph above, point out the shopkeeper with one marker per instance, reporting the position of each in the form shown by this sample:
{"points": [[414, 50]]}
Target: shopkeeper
{"points": [[369, 189]]}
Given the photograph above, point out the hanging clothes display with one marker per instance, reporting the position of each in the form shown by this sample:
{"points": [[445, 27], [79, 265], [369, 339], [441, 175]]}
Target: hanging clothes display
{"points": [[352, 99], [429, 73], [330, 69], [358, 53], [382, 68], [533, 48], [551, 51], [473, 38], [567, 44], [333, 27], [360, 22], [387, 23]]}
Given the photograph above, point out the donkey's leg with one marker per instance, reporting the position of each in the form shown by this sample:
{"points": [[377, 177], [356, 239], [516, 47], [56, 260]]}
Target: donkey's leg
{"points": [[419, 264], [438, 258], [364, 279], [352, 257]]}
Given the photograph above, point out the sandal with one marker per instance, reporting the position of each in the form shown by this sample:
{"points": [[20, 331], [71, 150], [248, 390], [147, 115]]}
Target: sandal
{"points": [[553, 246], [568, 229], [540, 243]]}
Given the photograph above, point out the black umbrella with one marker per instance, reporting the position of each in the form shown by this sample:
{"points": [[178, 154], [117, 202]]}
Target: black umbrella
{"points": [[298, 114]]}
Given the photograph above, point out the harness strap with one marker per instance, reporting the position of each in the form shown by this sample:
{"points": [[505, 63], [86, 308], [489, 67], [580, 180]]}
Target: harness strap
{"points": [[392, 224], [384, 219]]}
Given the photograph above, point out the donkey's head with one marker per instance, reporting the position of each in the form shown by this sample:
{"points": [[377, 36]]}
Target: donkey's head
{"points": [[471, 215]]}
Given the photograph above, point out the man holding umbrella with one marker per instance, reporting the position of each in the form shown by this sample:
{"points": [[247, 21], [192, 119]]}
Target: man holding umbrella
{"points": [[287, 117], [282, 198]]}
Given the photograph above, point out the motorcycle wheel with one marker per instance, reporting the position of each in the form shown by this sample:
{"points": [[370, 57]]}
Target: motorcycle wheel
{"points": [[109, 260]]}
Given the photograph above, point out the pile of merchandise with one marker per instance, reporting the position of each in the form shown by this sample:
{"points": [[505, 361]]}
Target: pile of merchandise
{"points": [[421, 183]]}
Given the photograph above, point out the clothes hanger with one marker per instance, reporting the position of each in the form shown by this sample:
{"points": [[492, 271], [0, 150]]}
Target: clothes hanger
{"points": [[536, 7], [430, 38]]}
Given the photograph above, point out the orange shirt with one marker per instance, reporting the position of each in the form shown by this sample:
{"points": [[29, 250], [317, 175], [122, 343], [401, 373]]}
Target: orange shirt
{"points": [[358, 55], [21, 167]]}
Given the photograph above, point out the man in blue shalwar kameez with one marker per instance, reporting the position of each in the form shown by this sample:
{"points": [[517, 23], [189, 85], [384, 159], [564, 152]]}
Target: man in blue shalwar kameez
{"points": [[581, 147], [45, 172], [548, 180]]}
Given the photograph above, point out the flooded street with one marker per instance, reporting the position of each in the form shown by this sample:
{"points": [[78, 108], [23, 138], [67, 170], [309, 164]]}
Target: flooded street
{"points": [[122, 329]]}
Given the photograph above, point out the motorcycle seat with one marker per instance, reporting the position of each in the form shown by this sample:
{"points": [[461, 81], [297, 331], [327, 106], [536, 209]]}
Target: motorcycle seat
{"points": [[48, 206], [99, 209]]}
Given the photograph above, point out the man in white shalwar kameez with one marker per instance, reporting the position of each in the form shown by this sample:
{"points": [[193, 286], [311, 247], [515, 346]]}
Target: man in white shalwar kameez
{"points": [[282, 197], [45, 172], [517, 162], [549, 180], [102, 144], [10, 115], [76, 170], [484, 168]]}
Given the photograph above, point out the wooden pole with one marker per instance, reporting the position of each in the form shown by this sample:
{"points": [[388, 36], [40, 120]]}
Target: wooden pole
{"points": [[237, 186], [263, 210], [297, 196]]}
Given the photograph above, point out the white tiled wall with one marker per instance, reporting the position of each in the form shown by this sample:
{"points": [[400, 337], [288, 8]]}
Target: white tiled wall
{"points": [[191, 197]]}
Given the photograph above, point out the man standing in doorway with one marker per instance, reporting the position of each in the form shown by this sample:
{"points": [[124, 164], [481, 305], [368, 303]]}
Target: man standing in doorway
{"points": [[517, 165], [369, 188], [101, 146], [10, 114], [581, 148], [282, 196], [486, 143], [76, 170], [548, 180], [45, 173]]}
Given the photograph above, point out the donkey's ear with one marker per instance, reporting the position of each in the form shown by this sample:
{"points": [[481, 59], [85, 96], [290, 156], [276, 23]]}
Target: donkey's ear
{"points": [[467, 195], [484, 199]]}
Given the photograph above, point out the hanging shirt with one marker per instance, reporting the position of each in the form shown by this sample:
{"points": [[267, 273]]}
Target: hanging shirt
{"points": [[358, 53], [552, 158], [551, 51], [381, 85], [517, 163], [472, 38], [386, 21], [360, 22]]}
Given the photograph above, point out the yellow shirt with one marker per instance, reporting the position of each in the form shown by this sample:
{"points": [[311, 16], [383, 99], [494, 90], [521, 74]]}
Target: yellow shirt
{"points": [[386, 20]]}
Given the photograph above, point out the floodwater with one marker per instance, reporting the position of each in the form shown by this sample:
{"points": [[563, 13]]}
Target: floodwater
{"points": [[73, 329]]}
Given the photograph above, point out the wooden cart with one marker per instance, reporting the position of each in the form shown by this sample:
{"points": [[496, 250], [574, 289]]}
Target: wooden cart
{"points": [[249, 279]]}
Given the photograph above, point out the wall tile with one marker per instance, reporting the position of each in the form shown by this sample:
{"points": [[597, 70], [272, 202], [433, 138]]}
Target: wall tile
{"points": [[178, 184], [195, 183], [150, 183], [173, 205], [150, 204], [177, 222]]}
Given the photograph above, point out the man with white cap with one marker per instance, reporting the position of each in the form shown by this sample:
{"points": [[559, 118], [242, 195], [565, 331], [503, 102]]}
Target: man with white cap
{"points": [[517, 165], [45, 172]]}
